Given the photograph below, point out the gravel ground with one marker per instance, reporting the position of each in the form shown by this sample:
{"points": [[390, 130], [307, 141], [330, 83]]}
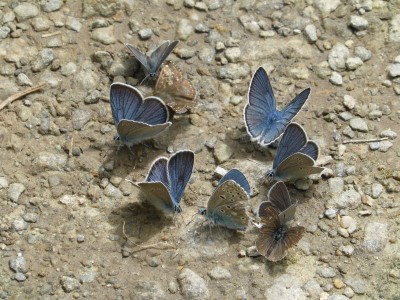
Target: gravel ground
{"points": [[71, 226]]}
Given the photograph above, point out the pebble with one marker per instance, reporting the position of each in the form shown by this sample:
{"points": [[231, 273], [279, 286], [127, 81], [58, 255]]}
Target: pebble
{"points": [[222, 152], [348, 223], [326, 272], [73, 24], [113, 192], [43, 59], [357, 284], [25, 11], [384, 146], [346, 250], [348, 291], [362, 53], [352, 63], [206, 55], [69, 69], [184, 29], [394, 29], [218, 273], [153, 261], [339, 284], [376, 190], [69, 284], [336, 185], [23, 80], [3, 183], [310, 32], [147, 289], [145, 33], [313, 289], [249, 23], [19, 264], [388, 133], [234, 71], [50, 161], [51, 5], [80, 117], [337, 297], [88, 277], [173, 287], [327, 6], [303, 184], [349, 102], [233, 55], [330, 213], [336, 78], [337, 57], [4, 31], [41, 24], [14, 191], [286, 286], [358, 23], [350, 199], [19, 277], [358, 124], [394, 70], [80, 238], [104, 35], [192, 285], [375, 236]]}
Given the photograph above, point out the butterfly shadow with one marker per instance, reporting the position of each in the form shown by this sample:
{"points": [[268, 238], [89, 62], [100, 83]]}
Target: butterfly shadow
{"points": [[139, 225]]}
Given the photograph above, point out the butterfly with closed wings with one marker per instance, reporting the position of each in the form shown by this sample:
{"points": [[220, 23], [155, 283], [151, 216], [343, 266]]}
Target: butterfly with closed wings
{"points": [[227, 205], [166, 181], [264, 123], [153, 62], [295, 156], [137, 119]]}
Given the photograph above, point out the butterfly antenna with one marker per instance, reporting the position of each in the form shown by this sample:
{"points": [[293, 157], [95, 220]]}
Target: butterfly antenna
{"points": [[144, 79]]}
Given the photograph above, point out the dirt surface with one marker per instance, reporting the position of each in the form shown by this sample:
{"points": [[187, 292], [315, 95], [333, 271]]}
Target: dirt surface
{"points": [[72, 226]]}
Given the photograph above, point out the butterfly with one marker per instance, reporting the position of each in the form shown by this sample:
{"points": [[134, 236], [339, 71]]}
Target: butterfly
{"points": [[153, 62], [136, 119], [166, 181], [295, 156], [279, 199], [177, 91], [226, 206], [264, 123], [276, 236]]}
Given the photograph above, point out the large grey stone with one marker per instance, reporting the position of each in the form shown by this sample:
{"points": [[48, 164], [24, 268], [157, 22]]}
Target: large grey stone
{"points": [[375, 236], [192, 285]]}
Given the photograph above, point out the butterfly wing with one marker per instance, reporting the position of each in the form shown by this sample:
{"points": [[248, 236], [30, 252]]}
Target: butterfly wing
{"points": [[293, 140], [153, 111], [260, 111], [279, 196], [159, 55], [158, 171], [295, 166], [133, 132], [270, 224], [226, 206], [237, 177], [180, 168], [311, 149], [158, 195], [142, 58], [177, 92], [125, 101], [292, 236], [294, 106]]}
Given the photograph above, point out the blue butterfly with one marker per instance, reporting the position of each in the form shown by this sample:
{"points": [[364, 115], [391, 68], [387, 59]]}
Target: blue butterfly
{"points": [[166, 181], [295, 156], [137, 119], [264, 123], [226, 206]]}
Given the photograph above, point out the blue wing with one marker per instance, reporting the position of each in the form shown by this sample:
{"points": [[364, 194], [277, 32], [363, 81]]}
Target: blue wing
{"points": [[180, 167], [311, 149], [159, 55], [237, 177], [125, 101], [260, 111], [293, 140], [293, 108], [158, 171], [153, 111]]}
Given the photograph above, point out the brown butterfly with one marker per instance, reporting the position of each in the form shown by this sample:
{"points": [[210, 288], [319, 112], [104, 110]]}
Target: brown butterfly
{"points": [[176, 91], [275, 236]]}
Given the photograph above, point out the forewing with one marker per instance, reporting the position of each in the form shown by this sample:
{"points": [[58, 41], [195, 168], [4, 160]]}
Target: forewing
{"points": [[158, 171], [160, 54], [279, 196], [261, 94], [158, 195], [142, 58], [294, 106], [270, 224], [237, 177], [125, 101], [180, 168], [227, 206], [311, 149], [132, 132], [153, 111], [295, 166], [293, 140]]}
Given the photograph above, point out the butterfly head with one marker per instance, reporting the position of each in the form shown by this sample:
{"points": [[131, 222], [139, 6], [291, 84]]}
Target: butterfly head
{"points": [[202, 211], [177, 209]]}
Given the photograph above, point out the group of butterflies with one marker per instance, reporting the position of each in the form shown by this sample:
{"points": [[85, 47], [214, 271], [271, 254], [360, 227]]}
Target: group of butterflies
{"points": [[138, 119]]}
